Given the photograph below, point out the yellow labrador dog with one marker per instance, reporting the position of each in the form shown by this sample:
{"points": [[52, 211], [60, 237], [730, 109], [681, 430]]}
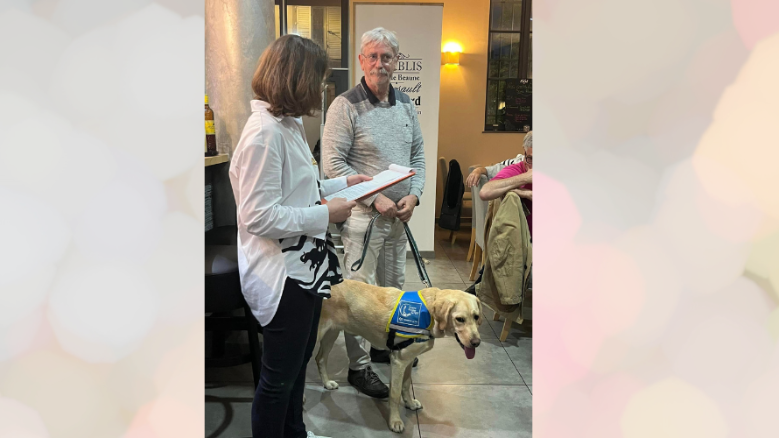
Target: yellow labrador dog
{"points": [[364, 310]]}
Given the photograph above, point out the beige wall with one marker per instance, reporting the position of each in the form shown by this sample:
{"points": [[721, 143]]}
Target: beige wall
{"points": [[463, 91], [312, 125]]}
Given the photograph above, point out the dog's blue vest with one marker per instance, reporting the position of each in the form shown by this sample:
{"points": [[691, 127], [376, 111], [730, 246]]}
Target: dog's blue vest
{"points": [[410, 318]]}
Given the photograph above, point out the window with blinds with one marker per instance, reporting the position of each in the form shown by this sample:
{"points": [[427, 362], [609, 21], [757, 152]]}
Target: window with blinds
{"points": [[320, 23], [509, 64]]}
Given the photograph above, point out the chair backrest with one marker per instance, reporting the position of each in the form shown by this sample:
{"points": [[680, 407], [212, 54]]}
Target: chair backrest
{"points": [[451, 207], [454, 184], [469, 194], [479, 210], [222, 279]]}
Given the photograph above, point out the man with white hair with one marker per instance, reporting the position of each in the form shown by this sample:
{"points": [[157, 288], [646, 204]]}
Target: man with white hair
{"points": [[368, 128]]}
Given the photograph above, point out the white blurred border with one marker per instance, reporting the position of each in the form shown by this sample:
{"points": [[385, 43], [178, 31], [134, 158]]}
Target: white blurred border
{"points": [[657, 219], [101, 228]]}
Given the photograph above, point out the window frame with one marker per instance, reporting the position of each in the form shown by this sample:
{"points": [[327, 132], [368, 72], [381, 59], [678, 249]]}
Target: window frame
{"points": [[344, 4], [524, 57]]}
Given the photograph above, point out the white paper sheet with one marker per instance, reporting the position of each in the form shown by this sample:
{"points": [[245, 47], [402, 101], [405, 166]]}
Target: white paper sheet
{"points": [[394, 174]]}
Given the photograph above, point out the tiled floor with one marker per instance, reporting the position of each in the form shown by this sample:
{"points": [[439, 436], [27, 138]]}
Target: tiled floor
{"points": [[489, 396]]}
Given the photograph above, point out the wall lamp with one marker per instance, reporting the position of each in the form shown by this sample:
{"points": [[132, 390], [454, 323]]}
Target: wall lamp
{"points": [[451, 54]]}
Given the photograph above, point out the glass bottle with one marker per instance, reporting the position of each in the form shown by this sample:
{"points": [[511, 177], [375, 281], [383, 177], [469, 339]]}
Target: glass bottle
{"points": [[210, 132]]}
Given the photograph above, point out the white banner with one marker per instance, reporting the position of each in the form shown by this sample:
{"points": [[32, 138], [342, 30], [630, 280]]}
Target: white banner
{"points": [[418, 28]]}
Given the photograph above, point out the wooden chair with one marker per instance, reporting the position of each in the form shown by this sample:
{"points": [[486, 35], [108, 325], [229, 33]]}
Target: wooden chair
{"points": [[490, 298], [509, 318], [479, 214], [223, 296]]}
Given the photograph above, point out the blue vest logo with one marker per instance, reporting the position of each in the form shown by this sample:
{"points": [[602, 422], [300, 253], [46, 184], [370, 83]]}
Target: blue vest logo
{"points": [[409, 313], [411, 317]]}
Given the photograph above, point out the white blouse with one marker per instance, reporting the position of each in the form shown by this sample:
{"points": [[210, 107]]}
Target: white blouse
{"points": [[282, 226]]}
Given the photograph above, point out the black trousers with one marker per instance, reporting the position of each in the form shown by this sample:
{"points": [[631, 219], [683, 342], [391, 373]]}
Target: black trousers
{"points": [[288, 342]]}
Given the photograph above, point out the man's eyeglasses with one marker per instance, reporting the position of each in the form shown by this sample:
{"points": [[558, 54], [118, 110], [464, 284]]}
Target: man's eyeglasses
{"points": [[385, 59]]}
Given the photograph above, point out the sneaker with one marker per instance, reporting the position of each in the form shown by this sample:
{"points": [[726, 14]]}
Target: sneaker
{"points": [[383, 356], [310, 434], [367, 382]]}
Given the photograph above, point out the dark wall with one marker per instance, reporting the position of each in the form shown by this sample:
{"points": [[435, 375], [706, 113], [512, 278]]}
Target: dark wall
{"points": [[222, 200]]}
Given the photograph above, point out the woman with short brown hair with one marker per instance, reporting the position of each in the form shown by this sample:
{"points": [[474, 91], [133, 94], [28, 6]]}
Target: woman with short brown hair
{"points": [[286, 258], [290, 75]]}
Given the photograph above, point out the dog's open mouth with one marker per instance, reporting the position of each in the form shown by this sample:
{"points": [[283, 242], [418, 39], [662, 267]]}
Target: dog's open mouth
{"points": [[470, 352]]}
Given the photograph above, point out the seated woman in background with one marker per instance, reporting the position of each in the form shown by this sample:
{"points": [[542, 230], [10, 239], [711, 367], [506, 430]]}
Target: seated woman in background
{"points": [[286, 258]]}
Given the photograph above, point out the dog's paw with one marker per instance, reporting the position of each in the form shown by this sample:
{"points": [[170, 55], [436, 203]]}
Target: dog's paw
{"points": [[397, 426], [414, 405], [331, 385]]}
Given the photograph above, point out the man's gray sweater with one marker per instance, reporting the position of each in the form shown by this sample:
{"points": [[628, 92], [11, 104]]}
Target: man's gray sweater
{"points": [[364, 136]]}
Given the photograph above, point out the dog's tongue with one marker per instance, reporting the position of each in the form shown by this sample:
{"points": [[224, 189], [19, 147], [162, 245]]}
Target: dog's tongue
{"points": [[470, 352]]}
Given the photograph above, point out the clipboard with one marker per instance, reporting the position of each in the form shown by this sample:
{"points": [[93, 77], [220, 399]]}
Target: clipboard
{"points": [[365, 189]]}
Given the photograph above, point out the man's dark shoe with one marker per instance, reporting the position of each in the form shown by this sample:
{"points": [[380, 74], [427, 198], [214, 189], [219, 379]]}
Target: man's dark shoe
{"points": [[367, 382], [383, 356]]}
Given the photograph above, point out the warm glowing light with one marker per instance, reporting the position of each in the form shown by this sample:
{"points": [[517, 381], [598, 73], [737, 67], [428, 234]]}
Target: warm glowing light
{"points": [[451, 53], [453, 47], [451, 58]]}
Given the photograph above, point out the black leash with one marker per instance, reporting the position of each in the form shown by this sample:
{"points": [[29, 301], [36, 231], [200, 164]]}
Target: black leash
{"points": [[414, 250], [420, 270], [418, 258], [367, 238]]}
